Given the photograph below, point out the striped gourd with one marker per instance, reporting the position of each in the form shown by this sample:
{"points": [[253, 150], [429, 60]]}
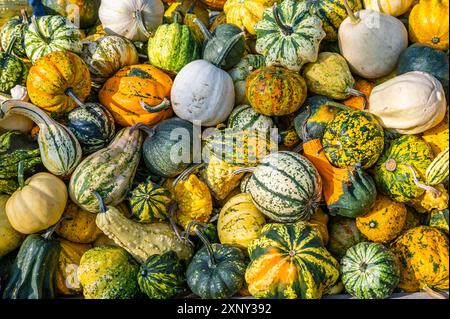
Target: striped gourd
{"points": [[16, 26], [108, 171], [149, 202], [332, 13], [289, 261], [60, 150], [437, 172], [244, 117], [286, 187], [289, 35], [370, 271], [51, 33]]}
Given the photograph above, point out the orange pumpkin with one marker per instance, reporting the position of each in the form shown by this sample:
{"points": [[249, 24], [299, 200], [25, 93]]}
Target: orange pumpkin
{"points": [[52, 75], [138, 94], [357, 102], [429, 23]]}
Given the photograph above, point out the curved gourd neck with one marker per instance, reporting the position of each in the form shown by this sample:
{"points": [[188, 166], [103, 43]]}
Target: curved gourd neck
{"points": [[351, 14], [139, 16], [212, 259], [285, 29], [206, 33], [28, 110], [164, 105], [150, 131], [226, 51]]}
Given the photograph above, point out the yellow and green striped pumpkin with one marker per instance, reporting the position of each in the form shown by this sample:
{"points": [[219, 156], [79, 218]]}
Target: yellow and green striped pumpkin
{"points": [[289, 261], [438, 171], [149, 202]]}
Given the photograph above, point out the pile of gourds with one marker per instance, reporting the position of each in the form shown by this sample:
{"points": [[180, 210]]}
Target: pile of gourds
{"points": [[220, 148]]}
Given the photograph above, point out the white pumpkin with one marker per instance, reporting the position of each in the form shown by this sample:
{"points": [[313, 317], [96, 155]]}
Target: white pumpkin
{"points": [[394, 8], [132, 19], [202, 92], [410, 103], [372, 42]]}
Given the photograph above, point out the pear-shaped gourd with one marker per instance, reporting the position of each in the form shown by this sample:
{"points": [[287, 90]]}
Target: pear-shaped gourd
{"points": [[371, 42]]}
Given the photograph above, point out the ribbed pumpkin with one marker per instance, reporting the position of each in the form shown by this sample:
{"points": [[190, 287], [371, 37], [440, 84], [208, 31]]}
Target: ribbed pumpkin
{"points": [[78, 226], [51, 76], [288, 261], [429, 23], [15, 27], [353, 137], [137, 94], [392, 7], [438, 170], [172, 46], [370, 271], [402, 166], [69, 259], [289, 35], [149, 202], [245, 118], [384, 222], [424, 259], [343, 235], [244, 13], [275, 91], [239, 221]]}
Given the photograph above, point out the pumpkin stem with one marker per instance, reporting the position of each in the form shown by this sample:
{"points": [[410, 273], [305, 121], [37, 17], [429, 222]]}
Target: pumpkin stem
{"points": [[244, 170], [20, 177], [101, 202], [48, 234], [230, 45], [176, 16], [206, 33], [286, 29], [172, 210], [192, 7], [435, 294], [139, 16], [435, 40], [11, 45], [351, 14], [328, 146], [298, 148], [164, 105], [143, 127], [25, 18], [209, 248], [186, 173], [355, 92], [70, 93], [432, 190], [390, 165]]}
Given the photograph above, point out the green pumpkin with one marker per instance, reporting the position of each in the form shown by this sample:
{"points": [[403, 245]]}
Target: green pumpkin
{"points": [[289, 35], [216, 271], [172, 47], [353, 137], [245, 118], [422, 57], [84, 12], [406, 157], [330, 76], [13, 71], [51, 33], [162, 276], [33, 274], [343, 235], [332, 13], [158, 146], [16, 147], [319, 110], [439, 219], [370, 271], [15, 27], [225, 46], [289, 261], [149, 202]]}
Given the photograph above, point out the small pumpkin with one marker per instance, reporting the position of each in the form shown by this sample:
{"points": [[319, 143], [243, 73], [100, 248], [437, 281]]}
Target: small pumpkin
{"points": [[384, 222], [289, 35], [429, 23], [239, 221], [69, 259], [244, 13], [343, 235], [15, 27], [78, 226], [137, 94], [275, 91], [13, 71]]}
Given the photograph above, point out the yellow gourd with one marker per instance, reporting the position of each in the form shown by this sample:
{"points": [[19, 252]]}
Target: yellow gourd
{"points": [[394, 8], [428, 201], [10, 239], [437, 136], [384, 222], [244, 13]]}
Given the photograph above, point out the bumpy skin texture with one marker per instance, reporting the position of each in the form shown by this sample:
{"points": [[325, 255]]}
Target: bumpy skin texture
{"points": [[439, 220], [399, 183], [13, 71], [424, 259], [290, 49], [108, 273], [275, 91], [384, 222], [14, 27], [245, 14], [353, 137], [289, 261], [428, 201], [438, 137], [370, 271]]}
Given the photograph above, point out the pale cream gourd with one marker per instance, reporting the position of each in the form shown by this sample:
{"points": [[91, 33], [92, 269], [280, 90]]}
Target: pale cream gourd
{"points": [[410, 103], [132, 19], [394, 8], [38, 204], [14, 121], [203, 92], [372, 42], [10, 238]]}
